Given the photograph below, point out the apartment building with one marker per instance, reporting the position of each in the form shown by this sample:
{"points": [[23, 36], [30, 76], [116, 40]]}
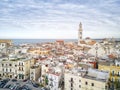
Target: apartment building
{"points": [[8, 69], [93, 83], [24, 68], [73, 78], [54, 77], [16, 68], [95, 80], [79, 79], [5, 43], [35, 72], [114, 73]]}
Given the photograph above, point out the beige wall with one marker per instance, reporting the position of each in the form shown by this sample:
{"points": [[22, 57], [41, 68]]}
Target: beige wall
{"points": [[113, 70], [97, 85], [25, 67], [8, 69], [75, 84], [79, 83], [34, 73]]}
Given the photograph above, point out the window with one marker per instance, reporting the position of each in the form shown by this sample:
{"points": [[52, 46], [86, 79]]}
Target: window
{"points": [[118, 79], [71, 85], [10, 70], [19, 68], [86, 83], [2, 64], [71, 79], [79, 80], [3, 44], [113, 73], [22, 76], [79, 86], [118, 73], [0, 75], [6, 69], [10, 76], [105, 87], [15, 65], [92, 84], [10, 64], [19, 63], [112, 79]]}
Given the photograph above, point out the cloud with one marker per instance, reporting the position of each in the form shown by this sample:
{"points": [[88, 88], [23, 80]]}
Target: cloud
{"points": [[59, 18]]}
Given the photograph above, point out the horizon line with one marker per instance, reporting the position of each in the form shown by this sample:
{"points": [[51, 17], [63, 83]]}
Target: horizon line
{"points": [[56, 38]]}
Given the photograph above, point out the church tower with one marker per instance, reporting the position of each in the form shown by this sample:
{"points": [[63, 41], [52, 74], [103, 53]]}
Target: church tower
{"points": [[80, 33]]}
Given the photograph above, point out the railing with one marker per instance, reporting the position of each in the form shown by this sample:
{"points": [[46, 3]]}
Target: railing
{"points": [[20, 65], [20, 70]]}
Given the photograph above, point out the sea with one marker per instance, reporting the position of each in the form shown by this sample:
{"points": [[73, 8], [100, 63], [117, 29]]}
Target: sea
{"points": [[23, 41]]}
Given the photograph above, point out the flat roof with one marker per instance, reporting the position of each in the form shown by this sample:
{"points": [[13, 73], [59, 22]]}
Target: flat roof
{"points": [[94, 78]]}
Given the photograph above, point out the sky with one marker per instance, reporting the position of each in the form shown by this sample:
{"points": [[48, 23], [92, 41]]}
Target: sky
{"points": [[59, 19]]}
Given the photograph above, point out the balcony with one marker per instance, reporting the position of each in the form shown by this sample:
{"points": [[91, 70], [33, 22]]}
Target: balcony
{"points": [[21, 65], [20, 70], [115, 75]]}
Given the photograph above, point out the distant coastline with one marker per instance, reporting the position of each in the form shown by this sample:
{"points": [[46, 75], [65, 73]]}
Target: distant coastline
{"points": [[21, 41]]}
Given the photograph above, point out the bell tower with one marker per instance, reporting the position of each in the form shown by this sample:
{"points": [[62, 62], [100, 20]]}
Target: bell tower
{"points": [[80, 33]]}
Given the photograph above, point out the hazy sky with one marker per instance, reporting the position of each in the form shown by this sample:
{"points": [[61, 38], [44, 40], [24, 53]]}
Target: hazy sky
{"points": [[59, 18]]}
